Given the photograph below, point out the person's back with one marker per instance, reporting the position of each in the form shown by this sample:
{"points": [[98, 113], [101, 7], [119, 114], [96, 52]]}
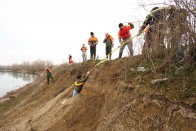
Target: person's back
{"points": [[177, 17], [70, 60], [48, 70], [49, 74]]}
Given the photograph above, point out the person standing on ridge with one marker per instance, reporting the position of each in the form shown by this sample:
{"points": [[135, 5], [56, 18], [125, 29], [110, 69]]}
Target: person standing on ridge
{"points": [[124, 36], [83, 49], [109, 44], [153, 26], [49, 74], [92, 41], [70, 60], [78, 85]]}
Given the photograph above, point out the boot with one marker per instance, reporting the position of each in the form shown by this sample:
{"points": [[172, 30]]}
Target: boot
{"points": [[94, 57], [110, 56], [120, 55], [91, 57]]}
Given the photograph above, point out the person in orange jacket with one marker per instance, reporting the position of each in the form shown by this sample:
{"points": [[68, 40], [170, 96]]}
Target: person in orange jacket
{"points": [[109, 44], [124, 35], [93, 41], [83, 49]]}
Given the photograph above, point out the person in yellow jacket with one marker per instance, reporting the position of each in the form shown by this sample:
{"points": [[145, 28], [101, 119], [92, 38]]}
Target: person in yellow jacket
{"points": [[83, 49], [109, 40], [93, 41]]}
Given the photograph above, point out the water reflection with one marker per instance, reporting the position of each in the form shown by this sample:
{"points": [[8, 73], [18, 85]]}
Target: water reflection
{"points": [[25, 77], [11, 81]]}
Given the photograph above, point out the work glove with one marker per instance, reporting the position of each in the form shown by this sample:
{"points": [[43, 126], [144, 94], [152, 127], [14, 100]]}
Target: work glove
{"points": [[88, 73], [131, 24]]}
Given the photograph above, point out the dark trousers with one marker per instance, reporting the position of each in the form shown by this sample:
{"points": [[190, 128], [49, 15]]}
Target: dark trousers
{"points": [[108, 51], [49, 75], [93, 52]]}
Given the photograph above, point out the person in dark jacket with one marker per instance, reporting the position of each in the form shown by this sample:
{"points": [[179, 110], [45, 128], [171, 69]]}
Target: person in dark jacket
{"points": [[78, 85], [161, 22], [154, 24]]}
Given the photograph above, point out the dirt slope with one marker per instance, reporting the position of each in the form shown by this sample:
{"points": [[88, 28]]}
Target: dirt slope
{"points": [[110, 100]]}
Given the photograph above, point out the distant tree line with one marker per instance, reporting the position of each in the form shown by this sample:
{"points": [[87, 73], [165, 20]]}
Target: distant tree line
{"points": [[28, 67]]}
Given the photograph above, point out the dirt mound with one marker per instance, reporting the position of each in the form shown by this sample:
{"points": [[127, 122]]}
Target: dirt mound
{"points": [[112, 99]]}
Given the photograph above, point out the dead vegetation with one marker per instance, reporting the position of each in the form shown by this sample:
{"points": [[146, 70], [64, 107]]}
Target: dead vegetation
{"points": [[118, 95]]}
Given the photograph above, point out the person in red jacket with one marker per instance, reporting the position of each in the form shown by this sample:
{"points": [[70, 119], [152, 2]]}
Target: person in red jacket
{"points": [[70, 60], [49, 74], [124, 35]]}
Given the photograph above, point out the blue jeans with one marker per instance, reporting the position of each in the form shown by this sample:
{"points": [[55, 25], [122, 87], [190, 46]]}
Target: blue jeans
{"points": [[75, 92]]}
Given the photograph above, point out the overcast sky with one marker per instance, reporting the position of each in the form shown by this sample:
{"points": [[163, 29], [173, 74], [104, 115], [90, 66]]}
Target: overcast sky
{"points": [[52, 29]]}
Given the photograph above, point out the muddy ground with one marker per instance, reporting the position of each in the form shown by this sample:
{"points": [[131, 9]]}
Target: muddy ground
{"points": [[113, 98]]}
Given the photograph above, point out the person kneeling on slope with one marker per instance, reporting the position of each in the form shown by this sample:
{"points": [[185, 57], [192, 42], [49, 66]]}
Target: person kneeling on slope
{"points": [[78, 85]]}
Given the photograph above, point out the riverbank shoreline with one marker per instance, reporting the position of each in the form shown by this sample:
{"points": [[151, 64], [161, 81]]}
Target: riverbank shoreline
{"points": [[5, 71], [22, 72], [12, 81]]}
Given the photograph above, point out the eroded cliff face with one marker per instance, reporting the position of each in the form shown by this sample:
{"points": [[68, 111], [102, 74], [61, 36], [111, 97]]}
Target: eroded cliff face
{"points": [[111, 99]]}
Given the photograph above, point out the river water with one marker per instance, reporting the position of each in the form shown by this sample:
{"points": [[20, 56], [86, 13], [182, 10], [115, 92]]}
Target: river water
{"points": [[11, 81]]}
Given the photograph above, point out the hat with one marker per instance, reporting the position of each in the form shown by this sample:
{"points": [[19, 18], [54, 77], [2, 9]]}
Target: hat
{"points": [[91, 33], [120, 25]]}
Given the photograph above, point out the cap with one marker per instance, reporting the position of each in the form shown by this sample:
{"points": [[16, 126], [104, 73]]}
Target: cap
{"points": [[91, 33]]}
